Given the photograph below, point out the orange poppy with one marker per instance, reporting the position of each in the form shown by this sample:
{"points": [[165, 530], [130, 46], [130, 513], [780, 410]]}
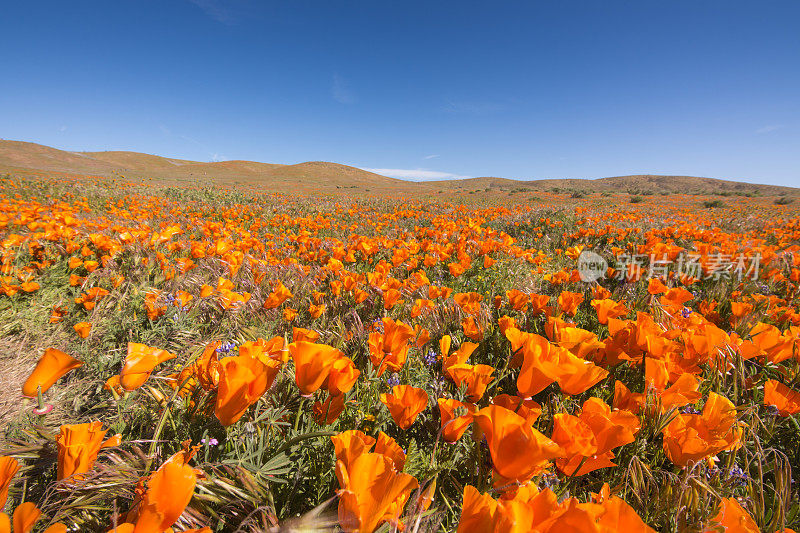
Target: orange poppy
{"points": [[351, 444], [328, 411], [786, 400], [455, 418], [139, 364], [405, 403], [526, 408], [79, 445], [475, 377], [568, 302], [608, 309], [52, 365], [733, 517], [312, 364], [387, 446], [242, 381], [689, 438], [278, 295], [372, 492], [588, 439], [303, 334], [169, 491], [518, 451], [8, 469], [390, 348], [472, 329], [83, 329], [25, 517], [342, 377]]}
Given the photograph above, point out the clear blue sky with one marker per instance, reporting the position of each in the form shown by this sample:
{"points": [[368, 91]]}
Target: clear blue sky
{"points": [[420, 89]]}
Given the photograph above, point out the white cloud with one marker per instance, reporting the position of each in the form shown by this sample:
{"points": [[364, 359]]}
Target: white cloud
{"points": [[417, 174], [216, 158], [62, 129], [473, 108], [215, 10], [340, 90], [433, 156], [769, 128]]}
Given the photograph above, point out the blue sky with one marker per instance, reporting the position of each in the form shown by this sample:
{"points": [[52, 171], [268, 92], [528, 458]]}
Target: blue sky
{"points": [[421, 90]]}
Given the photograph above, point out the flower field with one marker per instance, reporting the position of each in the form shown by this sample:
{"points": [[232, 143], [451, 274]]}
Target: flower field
{"points": [[183, 359]]}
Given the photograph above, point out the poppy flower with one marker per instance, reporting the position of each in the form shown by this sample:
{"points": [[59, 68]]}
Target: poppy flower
{"points": [[475, 377], [328, 411], [655, 286], [470, 302], [278, 295], [733, 517], [242, 381], [372, 492], [79, 445], [312, 363], [139, 364], [459, 357], [518, 451], [25, 517], [478, 512], [588, 439], [387, 446], [472, 329], [350, 444], [52, 365], [390, 348], [342, 376], [518, 300], [568, 302], [83, 329], [405, 403], [689, 438], [453, 424], [169, 491], [505, 322], [786, 400], [8, 469], [526, 408], [391, 298], [608, 309]]}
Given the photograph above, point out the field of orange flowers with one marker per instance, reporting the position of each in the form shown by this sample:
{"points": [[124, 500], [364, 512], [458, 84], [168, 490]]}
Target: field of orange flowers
{"points": [[197, 360]]}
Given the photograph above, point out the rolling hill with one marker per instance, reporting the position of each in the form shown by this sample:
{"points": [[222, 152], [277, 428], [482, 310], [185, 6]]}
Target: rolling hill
{"points": [[326, 177]]}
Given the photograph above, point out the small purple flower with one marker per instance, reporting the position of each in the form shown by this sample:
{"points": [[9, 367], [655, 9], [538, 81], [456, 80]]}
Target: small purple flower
{"points": [[393, 380], [690, 410], [430, 358], [685, 312], [209, 442], [226, 347]]}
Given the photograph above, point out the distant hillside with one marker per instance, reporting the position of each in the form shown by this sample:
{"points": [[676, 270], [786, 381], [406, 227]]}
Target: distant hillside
{"points": [[644, 183], [319, 176], [17, 156]]}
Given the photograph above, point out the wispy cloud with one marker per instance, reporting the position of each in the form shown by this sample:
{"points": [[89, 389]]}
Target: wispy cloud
{"points": [[432, 156], [770, 127], [417, 174], [216, 158], [216, 10], [472, 108], [340, 90], [62, 129]]}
